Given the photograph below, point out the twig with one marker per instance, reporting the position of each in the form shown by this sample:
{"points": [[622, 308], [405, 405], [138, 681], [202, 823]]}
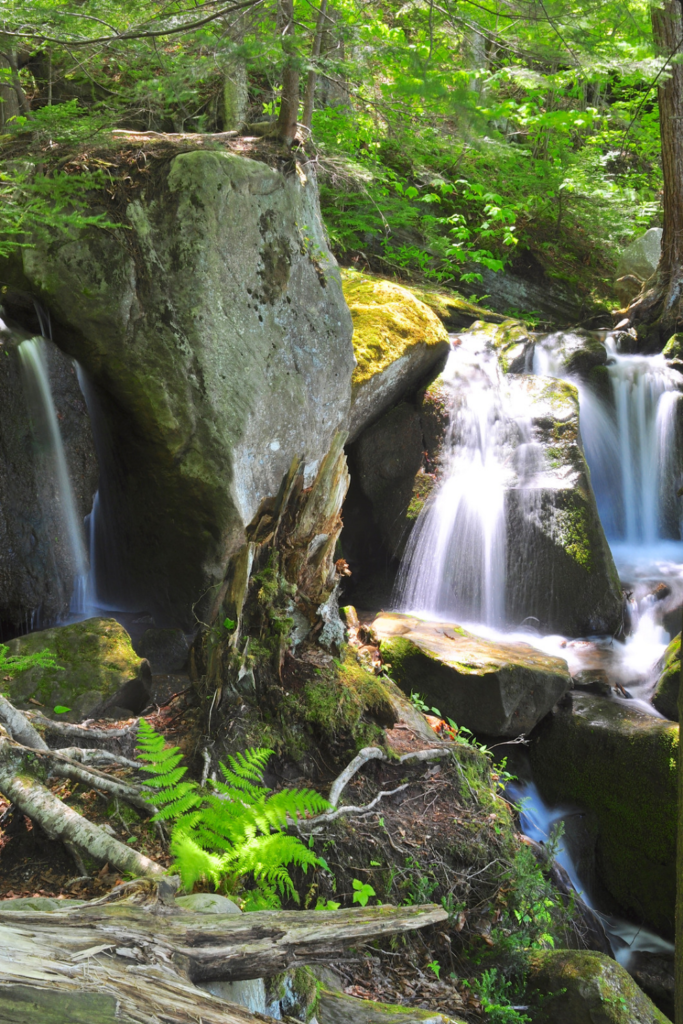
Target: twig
{"points": [[330, 816], [375, 753]]}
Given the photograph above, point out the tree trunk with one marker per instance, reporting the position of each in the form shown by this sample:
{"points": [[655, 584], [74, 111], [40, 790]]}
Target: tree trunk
{"points": [[309, 94], [130, 964], [289, 102], [658, 311]]}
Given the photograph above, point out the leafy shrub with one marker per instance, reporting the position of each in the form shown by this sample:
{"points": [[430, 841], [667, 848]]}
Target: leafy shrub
{"points": [[235, 832]]}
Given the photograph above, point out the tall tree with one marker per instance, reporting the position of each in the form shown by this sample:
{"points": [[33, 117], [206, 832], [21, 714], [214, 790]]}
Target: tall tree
{"points": [[658, 311], [287, 121]]}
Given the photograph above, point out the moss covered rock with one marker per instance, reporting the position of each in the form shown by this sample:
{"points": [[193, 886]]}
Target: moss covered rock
{"points": [[673, 351], [396, 340], [514, 345], [339, 1008], [619, 764], [95, 660], [571, 987], [494, 689], [665, 696]]}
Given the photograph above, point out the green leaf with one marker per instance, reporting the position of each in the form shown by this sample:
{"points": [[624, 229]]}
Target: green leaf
{"points": [[59, 709]]}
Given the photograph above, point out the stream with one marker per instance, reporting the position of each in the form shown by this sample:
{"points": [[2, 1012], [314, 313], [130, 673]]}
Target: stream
{"points": [[455, 565]]}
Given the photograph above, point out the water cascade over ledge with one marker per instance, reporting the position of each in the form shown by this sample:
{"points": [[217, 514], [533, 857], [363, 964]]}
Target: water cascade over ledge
{"points": [[33, 357]]}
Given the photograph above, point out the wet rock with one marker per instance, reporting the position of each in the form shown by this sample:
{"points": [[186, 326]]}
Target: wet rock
{"points": [[593, 680], [619, 764], [494, 689], [654, 972], [638, 262], [514, 345], [215, 332], [559, 566], [98, 667], [36, 563], [665, 696], [396, 340], [673, 352], [387, 458], [339, 1008], [527, 287], [571, 987], [166, 650]]}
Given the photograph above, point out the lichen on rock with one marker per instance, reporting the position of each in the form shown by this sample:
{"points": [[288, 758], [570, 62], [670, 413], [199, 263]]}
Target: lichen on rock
{"points": [[665, 696]]}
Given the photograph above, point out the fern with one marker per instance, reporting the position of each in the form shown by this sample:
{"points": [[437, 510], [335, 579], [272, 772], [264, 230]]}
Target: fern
{"points": [[233, 831]]}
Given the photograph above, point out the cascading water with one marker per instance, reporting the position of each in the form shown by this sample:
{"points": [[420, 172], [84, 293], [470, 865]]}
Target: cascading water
{"points": [[456, 556], [34, 362]]}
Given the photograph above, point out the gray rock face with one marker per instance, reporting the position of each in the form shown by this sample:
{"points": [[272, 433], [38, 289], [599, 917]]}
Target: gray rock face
{"points": [[219, 346], [36, 562], [494, 689], [638, 262]]}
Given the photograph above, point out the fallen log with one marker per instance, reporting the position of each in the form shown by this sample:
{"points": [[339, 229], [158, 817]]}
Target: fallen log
{"points": [[128, 964]]}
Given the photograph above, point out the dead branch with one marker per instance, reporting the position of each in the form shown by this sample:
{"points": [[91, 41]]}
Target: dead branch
{"points": [[19, 785], [375, 753]]}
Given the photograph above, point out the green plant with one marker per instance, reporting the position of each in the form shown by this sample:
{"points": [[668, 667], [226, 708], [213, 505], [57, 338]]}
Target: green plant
{"points": [[235, 832], [495, 993], [11, 664], [362, 892]]}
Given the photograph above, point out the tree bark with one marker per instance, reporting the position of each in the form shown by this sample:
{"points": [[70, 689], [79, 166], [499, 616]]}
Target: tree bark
{"points": [[309, 94], [658, 311], [289, 102], [128, 964]]}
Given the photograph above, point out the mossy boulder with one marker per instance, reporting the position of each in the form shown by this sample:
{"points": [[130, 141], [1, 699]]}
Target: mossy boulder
{"points": [[339, 1008], [673, 351], [583, 987], [619, 764], [494, 689], [95, 659], [560, 568], [214, 331], [452, 309], [396, 340], [665, 696], [514, 345]]}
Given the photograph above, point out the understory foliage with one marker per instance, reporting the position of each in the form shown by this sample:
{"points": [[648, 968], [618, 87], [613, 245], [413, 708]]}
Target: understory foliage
{"points": [[231, 831], [451, 139], [11, 664]]}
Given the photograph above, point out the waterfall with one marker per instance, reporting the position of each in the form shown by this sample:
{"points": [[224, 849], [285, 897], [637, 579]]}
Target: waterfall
{"points": [[631, 444], [455, 561], [34, 362]]}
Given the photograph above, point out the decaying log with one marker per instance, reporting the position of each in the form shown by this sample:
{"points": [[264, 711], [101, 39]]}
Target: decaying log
{"points": [[19, 784], [127, 964]]}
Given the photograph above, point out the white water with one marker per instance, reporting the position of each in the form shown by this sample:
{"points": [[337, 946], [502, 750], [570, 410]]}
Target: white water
{"points": [[455, 561], [33, 357]]}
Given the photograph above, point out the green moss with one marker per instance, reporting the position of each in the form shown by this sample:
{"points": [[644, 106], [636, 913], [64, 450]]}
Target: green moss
{"points": [[387, 321], [423, 485], [574, 526], [582, 987], [674, 347], [452, 309], [336, 702], [621, 766], [665, 697], [96, 657]]}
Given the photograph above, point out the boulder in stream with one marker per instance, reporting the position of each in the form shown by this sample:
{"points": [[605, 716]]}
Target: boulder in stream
{"points": [[637, 263], [619, 764], [98, 668], [665, 696], [583, 987], [494, 689]]}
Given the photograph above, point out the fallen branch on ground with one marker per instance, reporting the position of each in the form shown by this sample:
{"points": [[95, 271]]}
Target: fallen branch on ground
{"points": [[139, 963]]}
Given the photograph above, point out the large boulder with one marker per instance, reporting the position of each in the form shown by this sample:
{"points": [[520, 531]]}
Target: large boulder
{"points": [[96, 667], [665, 696], [37, 566], [397, 339], [583, 987], [214, 331], [334, 1007], [637, 263], [494, 689], [619, 764]]}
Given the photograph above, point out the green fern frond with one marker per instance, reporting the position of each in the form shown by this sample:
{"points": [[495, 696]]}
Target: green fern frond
{"points": [[235, 830]]}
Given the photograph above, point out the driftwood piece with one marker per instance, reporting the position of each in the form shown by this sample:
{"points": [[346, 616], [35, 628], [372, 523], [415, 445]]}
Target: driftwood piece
{"points": [[127, 964]]}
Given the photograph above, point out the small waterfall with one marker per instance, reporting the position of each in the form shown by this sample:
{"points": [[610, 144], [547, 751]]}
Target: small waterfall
{"points": [[34, 363], [455, 561], [631, 443]]}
